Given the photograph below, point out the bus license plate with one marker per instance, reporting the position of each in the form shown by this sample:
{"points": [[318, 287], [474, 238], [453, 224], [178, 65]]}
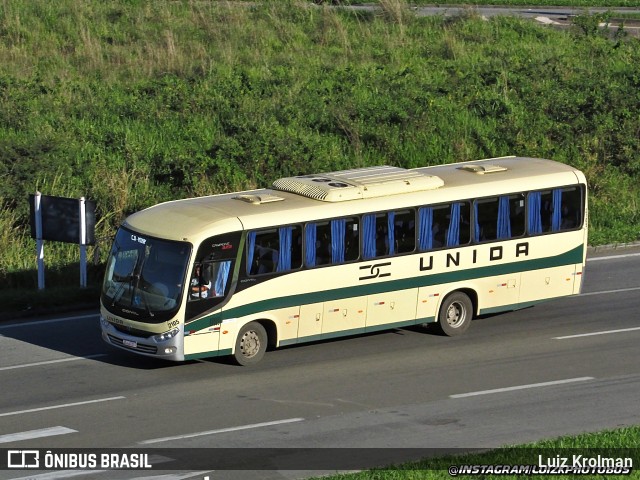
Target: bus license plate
{"points": [[129, 343]]}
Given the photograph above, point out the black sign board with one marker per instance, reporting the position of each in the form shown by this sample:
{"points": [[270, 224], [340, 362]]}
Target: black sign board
{"points": [[61, 219]]}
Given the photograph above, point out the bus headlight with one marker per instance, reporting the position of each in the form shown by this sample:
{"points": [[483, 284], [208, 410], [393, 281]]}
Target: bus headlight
{"points": [[163, 337], [103, 322]]}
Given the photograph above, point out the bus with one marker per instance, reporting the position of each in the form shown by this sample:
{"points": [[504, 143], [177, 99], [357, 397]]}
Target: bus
{"points": [[319, 256]]}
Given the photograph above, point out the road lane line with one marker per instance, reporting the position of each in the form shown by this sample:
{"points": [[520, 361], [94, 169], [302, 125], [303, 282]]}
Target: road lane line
{"points": [[222, 430], [48, 362], [611, 257], [61, 474], [521, 387], [174, 476], [64, 405], [42, 322], [77, 473], [603, 332], [31, 434], [619, 290]]}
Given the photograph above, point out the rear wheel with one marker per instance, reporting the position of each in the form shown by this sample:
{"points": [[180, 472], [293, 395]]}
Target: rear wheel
{"points": [[251, 344], [455, 314]]}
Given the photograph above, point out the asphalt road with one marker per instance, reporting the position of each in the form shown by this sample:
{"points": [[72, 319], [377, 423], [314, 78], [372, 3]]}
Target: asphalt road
{"points": [[555, 16], [563, 367]]}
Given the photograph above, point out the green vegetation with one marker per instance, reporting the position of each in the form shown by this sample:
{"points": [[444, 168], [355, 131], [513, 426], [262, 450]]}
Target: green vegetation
{"points": [[619, 443], [130, 103]]}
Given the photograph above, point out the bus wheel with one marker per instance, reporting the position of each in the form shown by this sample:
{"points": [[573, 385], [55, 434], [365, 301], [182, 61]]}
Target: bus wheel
{"points": [[455, 314], [251, 344]]}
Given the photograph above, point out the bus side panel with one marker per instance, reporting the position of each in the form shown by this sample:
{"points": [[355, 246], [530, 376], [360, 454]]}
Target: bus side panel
{"points": [[287, 324], [391, 307], [428, 299], [203, 341], [547, 283], [310, 324], [498, 293], [347, 315]]}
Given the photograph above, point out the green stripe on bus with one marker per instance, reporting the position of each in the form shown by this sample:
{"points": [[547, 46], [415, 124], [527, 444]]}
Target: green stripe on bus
{"points": [[571, 257]]}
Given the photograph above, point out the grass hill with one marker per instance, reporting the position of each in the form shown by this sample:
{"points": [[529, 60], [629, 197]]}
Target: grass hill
{"points": [[130, 103]]}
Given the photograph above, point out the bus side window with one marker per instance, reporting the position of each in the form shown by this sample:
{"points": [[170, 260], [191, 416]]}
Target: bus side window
{"points": [[274, 250], [374, 235], [388, 233], [352, 240], [571, 211], [486, 215], [404, 231], [499, 218], [554, 210], [331, 242]]}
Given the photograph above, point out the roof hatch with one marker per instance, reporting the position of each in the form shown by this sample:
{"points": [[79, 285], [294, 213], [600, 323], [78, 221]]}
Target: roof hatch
{"points": [[358, 183], [258, 199], [483, 169]]}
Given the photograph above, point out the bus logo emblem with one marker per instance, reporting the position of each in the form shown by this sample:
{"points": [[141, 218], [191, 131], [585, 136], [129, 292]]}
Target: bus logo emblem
{"points": [[374, 271]]}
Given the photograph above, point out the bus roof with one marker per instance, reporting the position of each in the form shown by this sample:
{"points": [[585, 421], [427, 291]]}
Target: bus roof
{"points": [[298, 199]]}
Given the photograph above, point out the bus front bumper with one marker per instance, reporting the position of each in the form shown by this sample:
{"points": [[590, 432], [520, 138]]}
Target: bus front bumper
{"points": [[152, 346]]}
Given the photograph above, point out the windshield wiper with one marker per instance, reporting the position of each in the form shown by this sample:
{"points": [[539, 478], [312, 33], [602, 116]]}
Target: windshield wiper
{"points": [[136, 287], [129, 281], [143, 296]]}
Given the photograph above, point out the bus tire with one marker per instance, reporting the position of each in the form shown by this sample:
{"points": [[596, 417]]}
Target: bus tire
{"points": [[250, 344], [455, 314]]}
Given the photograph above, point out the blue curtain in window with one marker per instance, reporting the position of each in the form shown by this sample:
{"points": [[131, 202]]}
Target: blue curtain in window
{"points": [[425, 228], [533, 215], [556, 218], [504, 221], [338, 231], [453, 235], [285, 235], [251, 248], [368, 237], [310, 245], [391, 233], [476, 224], [221, 277]]}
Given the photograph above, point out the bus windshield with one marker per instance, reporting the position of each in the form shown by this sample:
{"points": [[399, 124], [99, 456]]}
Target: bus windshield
{"points": [[145, 276]]}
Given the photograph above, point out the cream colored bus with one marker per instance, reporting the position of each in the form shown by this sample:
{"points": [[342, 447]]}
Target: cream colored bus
{"points": [[343, 253]]}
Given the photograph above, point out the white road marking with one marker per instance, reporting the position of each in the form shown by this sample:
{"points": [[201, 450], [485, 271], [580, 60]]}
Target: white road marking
{"points": [[64, 405], [153, 460], [31, 434], [222, 430], [61, 474], [603, 332], [42, 322], [72, 359], [521, 387], [619, 290], [176, 476], [76, 473], [612, 257]]}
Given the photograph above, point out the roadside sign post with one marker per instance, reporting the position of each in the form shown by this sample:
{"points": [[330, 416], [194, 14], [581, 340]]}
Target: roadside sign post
{"points": [[39, 241], [83, 243], [62, 219]]}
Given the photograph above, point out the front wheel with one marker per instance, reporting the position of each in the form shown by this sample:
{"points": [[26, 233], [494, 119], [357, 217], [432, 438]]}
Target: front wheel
{"points": [[455, 314], [251, 344]]}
